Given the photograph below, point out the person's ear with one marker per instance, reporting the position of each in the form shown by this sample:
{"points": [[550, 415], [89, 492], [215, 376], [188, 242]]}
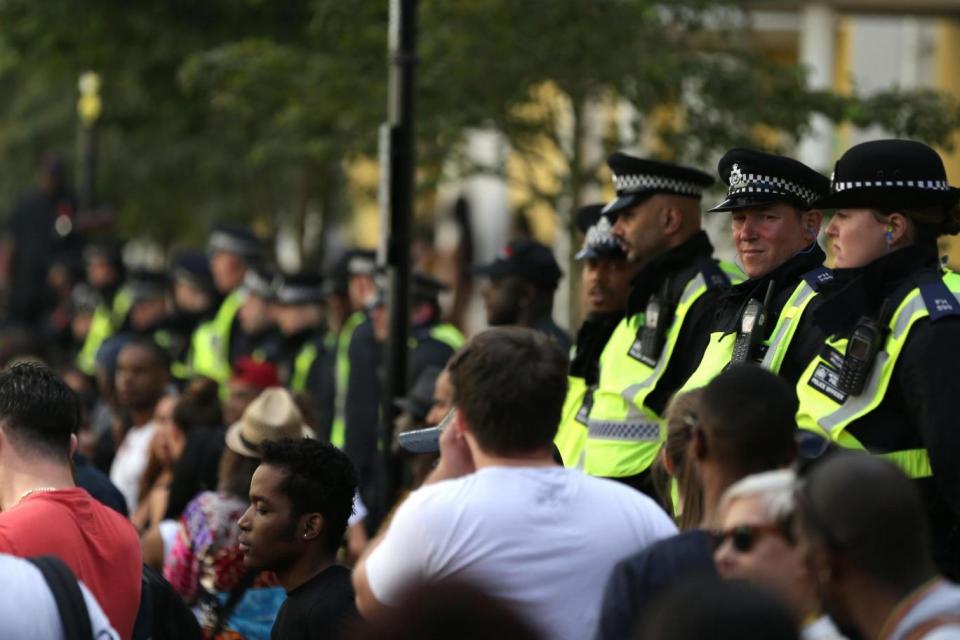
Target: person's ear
{"points": [[811, 224], [897, 227], [74, 443], [670, 220], [312, 526], [667, 462]]}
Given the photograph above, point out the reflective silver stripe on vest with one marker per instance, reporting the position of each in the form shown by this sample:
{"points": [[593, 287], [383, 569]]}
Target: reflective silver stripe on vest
{"points": [[631, 391], [805, 293], [633, 431], [854, 405]]}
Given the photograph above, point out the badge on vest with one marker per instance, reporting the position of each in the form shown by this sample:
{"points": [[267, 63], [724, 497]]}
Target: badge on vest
{"points": [[583, 415], [826, 380]]}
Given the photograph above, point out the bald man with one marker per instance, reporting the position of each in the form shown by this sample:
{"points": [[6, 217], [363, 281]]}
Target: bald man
{"points": [[660, 341]]}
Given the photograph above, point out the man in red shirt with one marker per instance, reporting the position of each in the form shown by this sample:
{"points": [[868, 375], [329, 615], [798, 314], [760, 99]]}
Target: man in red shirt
{"points": [[43, 512]]}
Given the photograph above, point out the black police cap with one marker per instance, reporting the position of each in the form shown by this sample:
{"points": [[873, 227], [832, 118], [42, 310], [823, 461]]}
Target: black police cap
{"points": [[527, 260], [259, 280], [235, 238], [755, 179], [889, 174], [145, 284], [299, 288], [419, 399], [426, 287], [599, 241], [636, 179], [193, 267], [361, 262]]}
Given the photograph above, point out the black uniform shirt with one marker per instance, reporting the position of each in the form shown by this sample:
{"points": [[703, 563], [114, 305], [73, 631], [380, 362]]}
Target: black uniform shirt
{"points": [[317, 609]]}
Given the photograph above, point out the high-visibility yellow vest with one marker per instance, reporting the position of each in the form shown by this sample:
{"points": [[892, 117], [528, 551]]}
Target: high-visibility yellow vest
{"points": [[827, 411], [104, 323], [301, 366], [719, 350], [624, 434], [444, 333], [342, 378], [571, 438], [210, 344]]}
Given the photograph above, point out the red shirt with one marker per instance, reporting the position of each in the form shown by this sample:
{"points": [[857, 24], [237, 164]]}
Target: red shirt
{"points": [[96, 542]]}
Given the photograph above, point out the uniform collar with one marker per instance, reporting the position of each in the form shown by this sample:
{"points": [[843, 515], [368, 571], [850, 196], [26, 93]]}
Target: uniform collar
{"points": [[650, 278]]}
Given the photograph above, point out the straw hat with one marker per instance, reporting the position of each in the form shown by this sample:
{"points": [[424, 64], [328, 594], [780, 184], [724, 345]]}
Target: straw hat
{"points": [[272, 416]]}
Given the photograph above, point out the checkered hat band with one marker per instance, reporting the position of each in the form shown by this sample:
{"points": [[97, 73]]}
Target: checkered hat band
{"points": [[932, 185], [752, 183], [288, 294], [640, 183]]}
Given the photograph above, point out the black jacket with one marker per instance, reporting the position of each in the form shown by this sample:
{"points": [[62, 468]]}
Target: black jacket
{"points": [[676, 268], [785, 279], [917, 410]]}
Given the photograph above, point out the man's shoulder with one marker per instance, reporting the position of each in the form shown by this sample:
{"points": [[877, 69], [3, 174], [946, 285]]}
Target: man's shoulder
{"points": [[686, 551]]}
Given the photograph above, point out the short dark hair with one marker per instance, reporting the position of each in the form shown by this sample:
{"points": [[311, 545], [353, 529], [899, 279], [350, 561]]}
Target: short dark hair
{"points": [[38, 410], [319, 479], [510, 383], [161, 357], [750, 416], [883, 531]]}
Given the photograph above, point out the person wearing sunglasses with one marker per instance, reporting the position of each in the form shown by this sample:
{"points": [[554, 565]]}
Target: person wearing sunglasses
{"points": [[756, 542]]}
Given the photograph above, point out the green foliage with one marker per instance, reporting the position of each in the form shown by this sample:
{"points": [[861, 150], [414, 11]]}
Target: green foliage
{"points": [[249, 109]]}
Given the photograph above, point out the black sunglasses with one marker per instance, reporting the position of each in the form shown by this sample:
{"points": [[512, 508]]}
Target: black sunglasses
{"points": [[743, 537]]}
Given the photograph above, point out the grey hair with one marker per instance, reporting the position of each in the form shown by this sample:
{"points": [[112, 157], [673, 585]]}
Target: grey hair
{"points": [[774, 490]]}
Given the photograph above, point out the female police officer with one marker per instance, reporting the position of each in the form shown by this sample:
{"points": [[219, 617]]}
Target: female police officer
{"points": [[884, 376]]}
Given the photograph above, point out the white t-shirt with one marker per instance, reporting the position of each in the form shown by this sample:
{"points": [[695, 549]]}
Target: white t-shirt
{"points": [[29, 611], [131, 461], [543, 539]]}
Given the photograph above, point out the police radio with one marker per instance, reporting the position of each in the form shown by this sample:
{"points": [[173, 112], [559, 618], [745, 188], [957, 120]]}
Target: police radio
{"points": [[656, 320], [862, 348], [753, 329]]}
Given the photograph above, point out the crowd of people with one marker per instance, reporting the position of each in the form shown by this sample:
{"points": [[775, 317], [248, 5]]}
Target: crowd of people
{"points": [[754, 450]]}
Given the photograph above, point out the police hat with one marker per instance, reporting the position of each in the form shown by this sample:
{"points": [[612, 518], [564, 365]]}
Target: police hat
{"points": [[146, 284], [636, 179], [234, 238], [426, 287], [107, 249], [889, 174], [298, 288], [193, 267], [361, 262], [598, 241], [755, 179], [527, 260], [419, 399], [336, 279], [258, 280]]}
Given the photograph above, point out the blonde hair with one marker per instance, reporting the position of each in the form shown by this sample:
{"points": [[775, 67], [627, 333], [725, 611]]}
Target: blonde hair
{"points": [[682, 416]]}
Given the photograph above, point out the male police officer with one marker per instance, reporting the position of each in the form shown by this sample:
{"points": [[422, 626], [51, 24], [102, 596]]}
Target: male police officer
{"points": [[433, 339], [661, 339], [775, 231], [604, 285], [231, 250], [297, 309]]}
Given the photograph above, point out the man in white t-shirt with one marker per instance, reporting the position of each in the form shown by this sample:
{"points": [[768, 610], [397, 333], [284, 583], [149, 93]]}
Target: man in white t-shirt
{"points": [[498, 512]]}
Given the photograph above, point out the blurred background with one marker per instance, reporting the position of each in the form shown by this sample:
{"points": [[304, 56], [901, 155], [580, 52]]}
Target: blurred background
{"points": [[160, 117]]}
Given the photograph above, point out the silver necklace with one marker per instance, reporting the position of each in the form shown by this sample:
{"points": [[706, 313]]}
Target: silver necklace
{"points": [[32, 491]]}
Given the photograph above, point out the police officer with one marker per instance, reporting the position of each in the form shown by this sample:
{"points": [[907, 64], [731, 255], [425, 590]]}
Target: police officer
{"points": [[105, 273], [775, 231], [661, 339], [522, 281], [194, 296], [257, 337], [605, 283], [297, 308], [231, 249], [883, 377], [337, 310], [433, 339]]}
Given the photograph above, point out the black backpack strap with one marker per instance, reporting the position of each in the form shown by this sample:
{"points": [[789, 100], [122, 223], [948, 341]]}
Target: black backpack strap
{"points": [[66, 591]]}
